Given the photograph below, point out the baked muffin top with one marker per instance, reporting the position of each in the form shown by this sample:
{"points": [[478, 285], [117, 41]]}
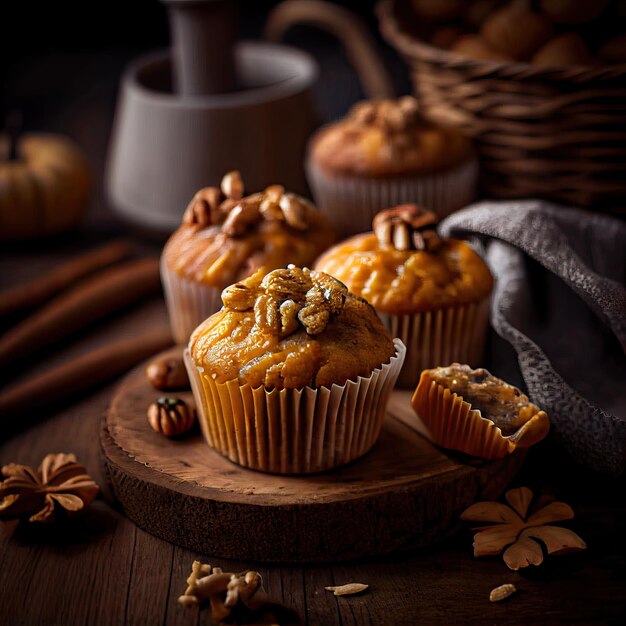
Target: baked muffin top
{"points": [[291, 328], [225, 236], [497, 401], [404, 267], [384, 138]]}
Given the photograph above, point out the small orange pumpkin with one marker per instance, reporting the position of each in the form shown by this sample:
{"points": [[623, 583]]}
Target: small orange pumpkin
{"points": [[44, 186]]}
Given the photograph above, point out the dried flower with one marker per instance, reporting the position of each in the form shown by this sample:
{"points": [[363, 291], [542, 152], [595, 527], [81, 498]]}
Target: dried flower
{"points": [[514, 529], [61, 483]]}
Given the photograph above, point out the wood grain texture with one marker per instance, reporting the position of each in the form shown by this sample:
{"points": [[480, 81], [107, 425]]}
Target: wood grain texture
{"points": [[48, 581], [403, 493], [40, 289]]}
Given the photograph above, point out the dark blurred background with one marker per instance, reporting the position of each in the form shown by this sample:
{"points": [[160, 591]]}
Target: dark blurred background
{"points": [[57, 54], [62, 66]]}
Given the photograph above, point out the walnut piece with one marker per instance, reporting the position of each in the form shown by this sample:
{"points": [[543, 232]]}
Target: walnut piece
{"points": [[60, 484], [203, 209], [167, 373], [239, 597], [392, 116], [324, 299], [239, 297], [407, 227], [291, 283], [171, 416], [241, 218], [232, 185], [313, 296], [227, 207], [294, 211], [285, 298]]}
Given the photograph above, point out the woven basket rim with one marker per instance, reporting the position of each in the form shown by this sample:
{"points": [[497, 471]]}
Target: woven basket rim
{"points": [[417, 49]]}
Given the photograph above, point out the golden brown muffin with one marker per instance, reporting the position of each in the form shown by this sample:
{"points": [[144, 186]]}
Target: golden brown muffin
{"points": [[474, 412], [387, 138], [497, 401], [225, 236], [404, 267], [289, 329]]}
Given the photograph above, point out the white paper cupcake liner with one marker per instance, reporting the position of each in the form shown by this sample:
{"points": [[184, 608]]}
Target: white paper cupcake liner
{"points": [[351, 202], [438, 338], [189, 303], [294, 431]]}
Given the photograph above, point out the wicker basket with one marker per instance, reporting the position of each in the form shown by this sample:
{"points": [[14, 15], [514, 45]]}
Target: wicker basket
{"points": [[557, 133]]}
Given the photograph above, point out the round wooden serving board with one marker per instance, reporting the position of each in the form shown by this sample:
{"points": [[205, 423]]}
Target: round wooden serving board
{"points": [[404, 493]]}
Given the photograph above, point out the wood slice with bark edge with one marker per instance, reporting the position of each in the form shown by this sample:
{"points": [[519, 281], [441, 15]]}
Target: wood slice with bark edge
{"points": [[405, 493]]}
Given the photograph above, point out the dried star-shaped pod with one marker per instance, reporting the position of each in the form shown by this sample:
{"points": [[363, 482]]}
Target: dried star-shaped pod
{"points": [[60, 483], [513, 527]]}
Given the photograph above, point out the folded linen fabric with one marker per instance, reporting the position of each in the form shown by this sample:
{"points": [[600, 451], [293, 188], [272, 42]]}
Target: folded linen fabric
{"points": [[560, 302]]}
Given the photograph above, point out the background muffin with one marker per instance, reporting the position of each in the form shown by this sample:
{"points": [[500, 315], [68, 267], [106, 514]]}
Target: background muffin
{"points": [[431, 292], [383, 153], [293, 374], [225, 237]]}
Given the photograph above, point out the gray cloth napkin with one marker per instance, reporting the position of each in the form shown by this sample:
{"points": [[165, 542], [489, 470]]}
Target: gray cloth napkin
{"points": [[560, 302]]}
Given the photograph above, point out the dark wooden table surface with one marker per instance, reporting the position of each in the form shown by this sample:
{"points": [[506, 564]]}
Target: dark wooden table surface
{"points": [[105, 570]]}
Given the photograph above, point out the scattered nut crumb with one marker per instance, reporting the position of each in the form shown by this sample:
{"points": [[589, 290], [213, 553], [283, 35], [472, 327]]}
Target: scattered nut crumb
{"points": [[502, 592], [348, 590]]}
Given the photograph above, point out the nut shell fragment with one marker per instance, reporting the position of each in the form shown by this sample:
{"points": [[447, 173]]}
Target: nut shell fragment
{"points": [[171, 416], [349, 589], [167, 374], [502, 592]]}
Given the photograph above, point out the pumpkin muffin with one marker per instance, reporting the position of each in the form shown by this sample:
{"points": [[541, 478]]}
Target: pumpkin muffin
{"points": [[225, 237], [293, 374], [431, 292], [383, 153], [472, 411]]}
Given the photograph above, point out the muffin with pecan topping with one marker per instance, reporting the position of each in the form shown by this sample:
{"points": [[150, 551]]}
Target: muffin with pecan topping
{"points": [[384, 153], [226, 236], [475, 412], [430, 291], [293, 374]]}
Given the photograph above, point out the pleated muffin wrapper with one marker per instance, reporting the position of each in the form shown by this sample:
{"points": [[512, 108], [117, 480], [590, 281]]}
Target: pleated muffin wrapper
{"points": [[455, 425], [438, 338], [351, 202], [294, 431], [189, 302]]}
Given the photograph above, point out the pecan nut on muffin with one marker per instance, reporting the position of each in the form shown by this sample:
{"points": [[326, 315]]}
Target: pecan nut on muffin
{"points": [[384, 153], [475, 412], [293, 374], [226, 236], [431, 292]]}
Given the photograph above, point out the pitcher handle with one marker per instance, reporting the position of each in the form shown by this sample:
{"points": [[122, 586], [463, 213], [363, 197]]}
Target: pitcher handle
{"points": [[359, 46]]}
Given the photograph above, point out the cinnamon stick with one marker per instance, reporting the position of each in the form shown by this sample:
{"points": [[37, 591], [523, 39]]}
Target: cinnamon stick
{"points": [[100, 295], [34, 292], [83, 372]]}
